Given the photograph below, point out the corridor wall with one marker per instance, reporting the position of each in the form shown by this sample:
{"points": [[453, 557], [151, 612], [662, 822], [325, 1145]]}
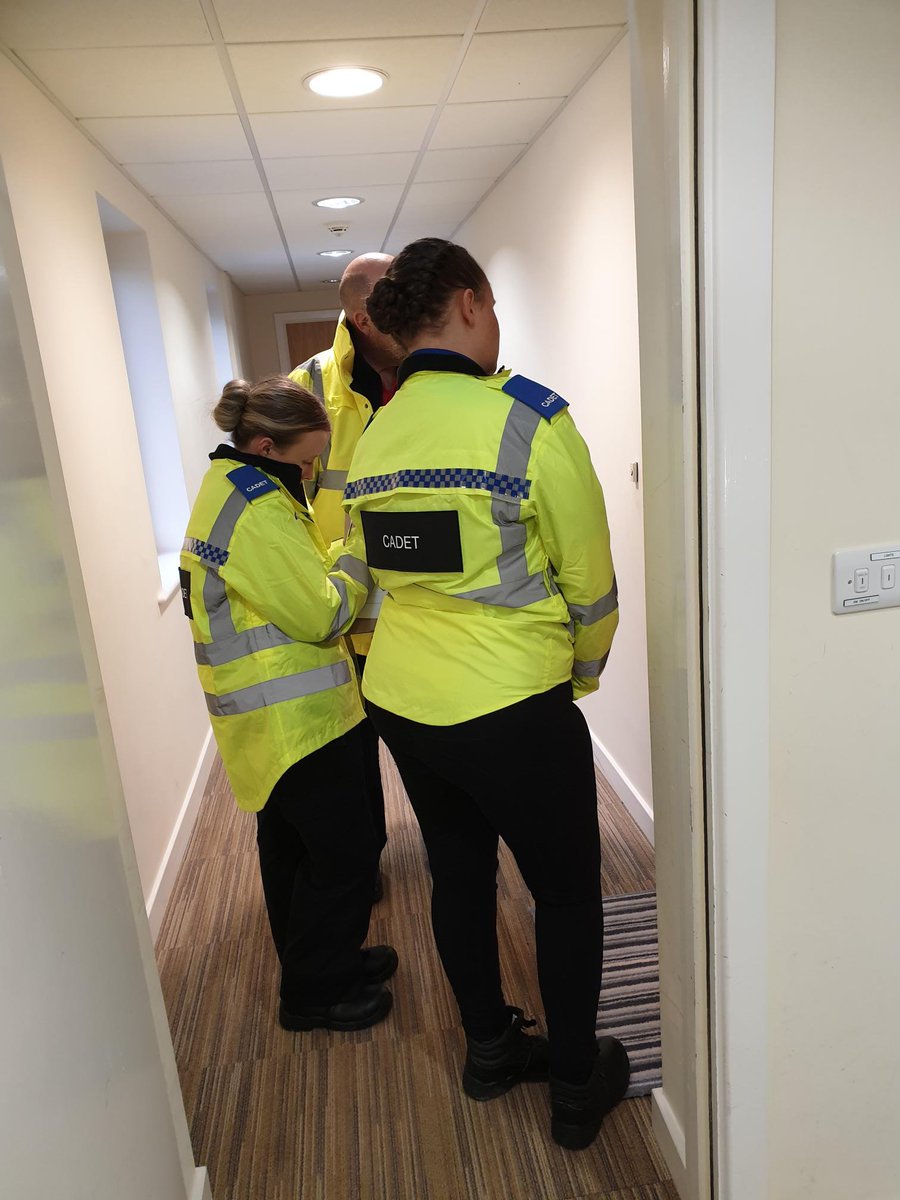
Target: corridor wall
{"points": [[833, 979], [54, 176], [556, 238]]}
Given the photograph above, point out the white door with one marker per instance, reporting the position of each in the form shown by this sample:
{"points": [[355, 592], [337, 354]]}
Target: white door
{"points": [[661, 36]]}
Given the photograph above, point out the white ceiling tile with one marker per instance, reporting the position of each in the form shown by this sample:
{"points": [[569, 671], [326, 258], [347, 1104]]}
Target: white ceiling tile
{"points": [[503, 15], [425, 196], [271, 76], [244, 218], [146, 82], [240, 215], [251, 283], [478, 162], [286, 20], [406, 232], [310, 266], [193, 178], [305, 224], [513, 66], [441, 204], [511, 121], [356, 131], [170, 139], [333, 173], [44, 24]]}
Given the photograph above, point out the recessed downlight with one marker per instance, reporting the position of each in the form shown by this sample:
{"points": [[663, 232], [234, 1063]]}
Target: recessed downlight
{"points": [[338, 202], [334, 253], [345, 81]]}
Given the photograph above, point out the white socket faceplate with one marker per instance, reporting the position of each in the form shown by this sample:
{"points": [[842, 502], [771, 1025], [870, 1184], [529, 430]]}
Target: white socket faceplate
{"points": [[867, 578]]}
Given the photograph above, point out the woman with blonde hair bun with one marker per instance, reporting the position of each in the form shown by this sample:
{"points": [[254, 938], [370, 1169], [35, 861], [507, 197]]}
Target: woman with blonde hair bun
{"points": [[267, 618]]}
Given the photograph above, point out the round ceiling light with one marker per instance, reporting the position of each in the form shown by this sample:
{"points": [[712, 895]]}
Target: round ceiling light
{"points": [[345, 81], [335, 280], [334, 253], [337, 202]]}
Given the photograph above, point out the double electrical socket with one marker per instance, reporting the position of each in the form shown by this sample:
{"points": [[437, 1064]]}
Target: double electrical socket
{"points": [[865, 579]]}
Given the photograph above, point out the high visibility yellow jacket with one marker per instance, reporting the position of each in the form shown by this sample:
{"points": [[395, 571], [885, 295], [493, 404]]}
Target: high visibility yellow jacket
{"points": [[266, 619], [329, 375], [477, 508]]}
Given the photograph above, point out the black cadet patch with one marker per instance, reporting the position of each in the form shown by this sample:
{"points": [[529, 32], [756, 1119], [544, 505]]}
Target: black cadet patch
{"points": [[536, 395], [185, 577], [413, 541]]}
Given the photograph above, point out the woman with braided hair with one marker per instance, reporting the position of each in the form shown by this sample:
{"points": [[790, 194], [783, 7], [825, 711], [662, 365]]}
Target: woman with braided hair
{"points": [[474, 502]]}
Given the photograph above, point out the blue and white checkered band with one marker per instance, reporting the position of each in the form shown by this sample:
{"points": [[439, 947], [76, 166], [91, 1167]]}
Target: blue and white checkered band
{"points": [[206, 551], [509, 486]]}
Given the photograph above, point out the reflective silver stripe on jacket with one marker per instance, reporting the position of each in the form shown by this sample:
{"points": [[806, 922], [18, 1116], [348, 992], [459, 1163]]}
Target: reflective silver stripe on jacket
{"points": [[313, 368], [335, 480], [227, 645], [343, 613], [275, 691], [237, 645], [356, 569], [516, 588], [586, 668], [218, 609], [588, 614]]}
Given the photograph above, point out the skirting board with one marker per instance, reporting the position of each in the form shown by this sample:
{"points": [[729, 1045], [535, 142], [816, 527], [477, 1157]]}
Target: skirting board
{"points": [[638, 808], [201, 1189], [181, 835], [670, 1139]]}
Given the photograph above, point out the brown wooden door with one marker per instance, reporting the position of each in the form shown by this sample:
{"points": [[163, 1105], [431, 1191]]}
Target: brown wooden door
{"points": [[306, 338]]}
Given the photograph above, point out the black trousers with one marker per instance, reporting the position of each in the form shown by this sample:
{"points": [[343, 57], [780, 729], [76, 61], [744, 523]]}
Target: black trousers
{"points": [[526, 774], [318, 856], [373, 769]]}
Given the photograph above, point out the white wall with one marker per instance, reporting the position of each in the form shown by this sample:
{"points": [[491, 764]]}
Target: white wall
{"points": [[834, 823], [557, 241], [260, 317], [54, 175]]}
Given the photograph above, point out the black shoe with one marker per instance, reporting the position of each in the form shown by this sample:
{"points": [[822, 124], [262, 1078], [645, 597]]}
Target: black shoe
{"points": [[379, 963], [365, 1006], [578, 1109], [495, 1066]]}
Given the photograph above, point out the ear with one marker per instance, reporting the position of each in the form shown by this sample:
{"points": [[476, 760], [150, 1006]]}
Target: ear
{"points": [[467, 306], [262, 446]]}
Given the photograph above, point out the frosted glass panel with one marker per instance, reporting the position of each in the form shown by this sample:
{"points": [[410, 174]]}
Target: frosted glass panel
{"points": [[84, 1109]]}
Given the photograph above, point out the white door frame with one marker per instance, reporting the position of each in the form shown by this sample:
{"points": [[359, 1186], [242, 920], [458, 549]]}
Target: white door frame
{"points": [[736, 88]]}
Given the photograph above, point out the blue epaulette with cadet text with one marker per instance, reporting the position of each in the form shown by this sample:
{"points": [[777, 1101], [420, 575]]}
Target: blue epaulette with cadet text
{"points": [[251, 482], [538, 396]]}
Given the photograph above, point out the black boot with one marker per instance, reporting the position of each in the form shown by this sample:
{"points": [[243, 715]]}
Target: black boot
{"points": [[578, 1109], [364, 1006], [379, 963], [495, 1066]]}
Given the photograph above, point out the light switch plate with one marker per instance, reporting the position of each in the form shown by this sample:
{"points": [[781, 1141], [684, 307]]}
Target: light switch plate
{"points": [[874, 566]]}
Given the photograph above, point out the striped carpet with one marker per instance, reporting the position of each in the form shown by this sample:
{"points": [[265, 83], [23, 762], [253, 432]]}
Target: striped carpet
{"points": [[629, 1002], [379, 1114]]}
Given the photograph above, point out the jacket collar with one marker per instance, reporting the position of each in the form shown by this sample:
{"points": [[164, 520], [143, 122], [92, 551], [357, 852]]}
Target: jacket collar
{"points": [[287, 473], [438, 360], [365, 380]]}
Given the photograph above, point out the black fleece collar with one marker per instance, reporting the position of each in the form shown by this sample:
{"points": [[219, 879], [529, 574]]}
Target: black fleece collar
{"points": [[287, 473], [438, 360]]}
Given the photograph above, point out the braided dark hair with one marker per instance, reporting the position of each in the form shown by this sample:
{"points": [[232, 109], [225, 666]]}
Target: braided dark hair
{"points": [[415, 293]]}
